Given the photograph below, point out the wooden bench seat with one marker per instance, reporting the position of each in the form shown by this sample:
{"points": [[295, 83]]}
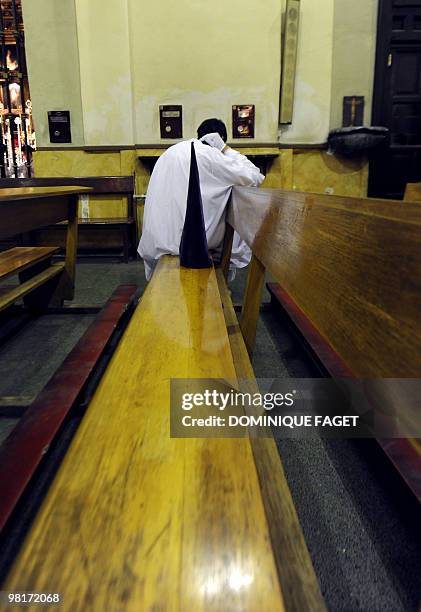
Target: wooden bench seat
{"points": [[18, 259], [99, 186], [22, 210], [348, 272], [33, 264], [161, 523], [29, 286]]}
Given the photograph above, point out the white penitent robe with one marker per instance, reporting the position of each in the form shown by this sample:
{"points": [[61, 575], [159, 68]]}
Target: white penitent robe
{"points": [[166, 200]]}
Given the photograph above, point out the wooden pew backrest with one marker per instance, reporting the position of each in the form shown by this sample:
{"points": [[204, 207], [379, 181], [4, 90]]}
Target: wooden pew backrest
{"points": [[353, 265], [123, 186], [112, 219], [98, 184]]}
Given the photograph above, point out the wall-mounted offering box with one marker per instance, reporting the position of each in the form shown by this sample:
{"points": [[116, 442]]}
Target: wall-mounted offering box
{"points": [[171, 121], [243, 121], [59, 126]]}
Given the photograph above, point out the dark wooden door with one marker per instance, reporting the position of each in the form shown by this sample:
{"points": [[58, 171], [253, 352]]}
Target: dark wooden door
{"points": [[397, 97]]}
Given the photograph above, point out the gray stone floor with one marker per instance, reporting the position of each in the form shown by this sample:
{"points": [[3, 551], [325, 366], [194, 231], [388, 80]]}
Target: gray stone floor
{"points": [[359, 520]]}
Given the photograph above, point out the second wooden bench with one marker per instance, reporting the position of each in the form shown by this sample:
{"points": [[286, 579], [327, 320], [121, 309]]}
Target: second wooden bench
{"points": [[96, 233]]}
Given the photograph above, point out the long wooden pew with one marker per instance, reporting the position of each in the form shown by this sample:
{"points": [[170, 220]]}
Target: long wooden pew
{"points": [[348, 273], [137, 520], [25, 209], [93, 231]]}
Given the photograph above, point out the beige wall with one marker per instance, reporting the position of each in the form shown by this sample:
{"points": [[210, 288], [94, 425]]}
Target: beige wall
{"points": [[105, 71], [206, 56], [53, 64], [336, 54], [354, 48], [135, 55], [113, 62], [312, 102]]}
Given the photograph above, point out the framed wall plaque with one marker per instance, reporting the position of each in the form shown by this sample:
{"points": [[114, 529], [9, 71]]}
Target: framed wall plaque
{"points": [[243, 121], [171, 121], [59, 126], [353, 111]]}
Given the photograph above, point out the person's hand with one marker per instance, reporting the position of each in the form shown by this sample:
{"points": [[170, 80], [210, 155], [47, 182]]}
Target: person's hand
{"points": [[214, 140]]}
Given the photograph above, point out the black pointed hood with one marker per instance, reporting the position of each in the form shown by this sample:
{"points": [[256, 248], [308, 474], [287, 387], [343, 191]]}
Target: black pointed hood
{"points": [[194, 246]]}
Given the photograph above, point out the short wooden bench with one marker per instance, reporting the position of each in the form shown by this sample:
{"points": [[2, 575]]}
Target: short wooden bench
{"points": [[41, 282], [347, 271], [33, 264], [150, 522], [95, 233]]}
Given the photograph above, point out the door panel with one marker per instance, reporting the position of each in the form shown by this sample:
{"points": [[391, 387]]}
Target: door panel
{"points": [[397, 97]]}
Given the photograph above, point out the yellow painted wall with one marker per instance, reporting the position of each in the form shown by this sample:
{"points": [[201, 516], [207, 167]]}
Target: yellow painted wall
{"points": [[312, 101], [53, 64], [81, 163], [299, 169], [76, 163], [354, 48], [206, 56], [319, 172], [316, 171]]}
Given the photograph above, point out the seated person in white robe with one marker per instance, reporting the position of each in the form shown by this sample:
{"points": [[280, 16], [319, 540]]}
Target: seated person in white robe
{"points": [[220, 168]]}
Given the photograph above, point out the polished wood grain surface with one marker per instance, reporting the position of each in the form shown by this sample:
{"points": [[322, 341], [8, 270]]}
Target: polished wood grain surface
{"points": [[252, 299], [107, 208], [353, 265], [136, 520], [29, 208], [97, 184], [298, 580], [67, 282], [24, 193], [11, 296], [24, 215], [19, 258]]}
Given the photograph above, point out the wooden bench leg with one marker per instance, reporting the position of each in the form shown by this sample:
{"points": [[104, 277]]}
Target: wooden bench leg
{"points": [[66, 287], [252, 299]]}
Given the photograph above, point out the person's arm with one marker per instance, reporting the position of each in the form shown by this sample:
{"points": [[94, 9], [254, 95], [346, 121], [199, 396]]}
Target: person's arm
{"points": [[241, 169], [229, 165]]}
